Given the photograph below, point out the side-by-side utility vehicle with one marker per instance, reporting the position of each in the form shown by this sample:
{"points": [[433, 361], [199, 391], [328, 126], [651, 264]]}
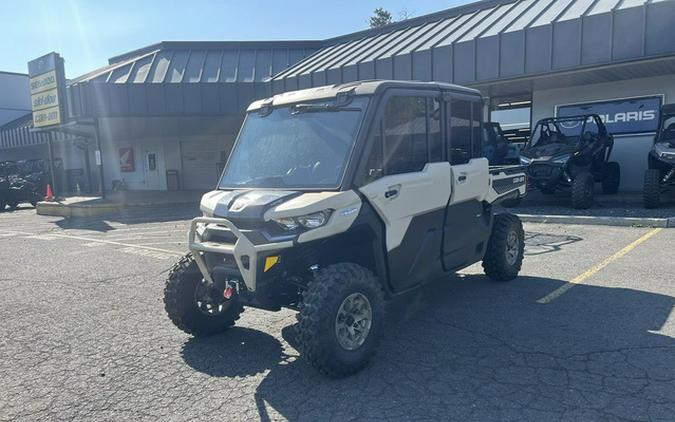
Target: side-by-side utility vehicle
{"points": [[571, 154], [496, 147], [23, 182], [660, 176], [336, 199]]}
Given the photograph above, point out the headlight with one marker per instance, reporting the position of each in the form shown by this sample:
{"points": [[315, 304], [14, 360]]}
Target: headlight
{"points": [[287, 223], [524, 160], [562, 159], [309, 221]]}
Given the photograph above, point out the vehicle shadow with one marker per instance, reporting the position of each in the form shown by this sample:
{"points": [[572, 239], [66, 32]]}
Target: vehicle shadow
{"points": [[537, 243], [471, 349]]}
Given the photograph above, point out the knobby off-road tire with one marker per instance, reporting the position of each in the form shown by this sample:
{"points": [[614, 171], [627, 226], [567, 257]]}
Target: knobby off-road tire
{"points": [[181, 304], [322, 303], [582, 191], [504, 255], [611, 178], [651, 193]]}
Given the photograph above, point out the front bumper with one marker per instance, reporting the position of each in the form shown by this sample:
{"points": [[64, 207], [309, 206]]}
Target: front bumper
{"points": [[245, 253]]}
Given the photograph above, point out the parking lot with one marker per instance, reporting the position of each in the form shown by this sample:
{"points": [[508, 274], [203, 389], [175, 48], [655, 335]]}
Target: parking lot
{"points": [[83, 334]]}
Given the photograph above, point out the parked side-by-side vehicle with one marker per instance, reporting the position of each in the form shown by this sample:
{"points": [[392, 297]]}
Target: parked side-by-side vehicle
{"points": [[660, 175], [22, 182], [336, 199], [571, 154]]}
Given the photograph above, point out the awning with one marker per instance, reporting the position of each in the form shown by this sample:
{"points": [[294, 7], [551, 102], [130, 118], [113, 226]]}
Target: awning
{"points": [[494, 41], [185, 78]]}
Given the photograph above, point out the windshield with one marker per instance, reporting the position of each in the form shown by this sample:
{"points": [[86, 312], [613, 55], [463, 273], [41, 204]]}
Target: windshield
{"points": [[299, 146], [667, 128], [559, 131]]}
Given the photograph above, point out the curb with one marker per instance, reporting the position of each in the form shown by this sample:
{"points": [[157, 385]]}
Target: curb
{"points": [[599, 221], [94, 210]]}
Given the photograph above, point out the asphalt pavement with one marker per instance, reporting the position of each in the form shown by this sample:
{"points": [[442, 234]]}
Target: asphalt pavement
{"points": [[84, 336]]}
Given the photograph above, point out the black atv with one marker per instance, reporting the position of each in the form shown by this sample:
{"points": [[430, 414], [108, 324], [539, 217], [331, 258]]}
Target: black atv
{"points": [[7, 171], [26, 181], [661, 160], [571, 154]]}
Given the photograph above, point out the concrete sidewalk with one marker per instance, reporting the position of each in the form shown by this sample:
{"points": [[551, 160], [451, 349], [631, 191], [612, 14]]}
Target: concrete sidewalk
{"points": [[90, 206], [622, 209]]}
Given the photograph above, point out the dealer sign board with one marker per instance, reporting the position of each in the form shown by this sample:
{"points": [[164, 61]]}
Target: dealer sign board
{"points": [[47, 90], [621, 117]]}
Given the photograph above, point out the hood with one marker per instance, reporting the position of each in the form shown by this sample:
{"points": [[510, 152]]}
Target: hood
{"points": [[546, 152], [243, 204]]}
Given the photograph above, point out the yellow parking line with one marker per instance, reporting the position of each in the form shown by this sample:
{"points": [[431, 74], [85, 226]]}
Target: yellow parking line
{"points": [[589, 273]]}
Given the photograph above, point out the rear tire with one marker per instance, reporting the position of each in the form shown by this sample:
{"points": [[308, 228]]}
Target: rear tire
{"points": [[506, 246], [582, 191], [651, 193], [180, 302], [323, 338], [611, 178]]}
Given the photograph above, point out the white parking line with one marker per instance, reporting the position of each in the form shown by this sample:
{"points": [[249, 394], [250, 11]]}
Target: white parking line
{"points": [[107, 242], [594, 270]]}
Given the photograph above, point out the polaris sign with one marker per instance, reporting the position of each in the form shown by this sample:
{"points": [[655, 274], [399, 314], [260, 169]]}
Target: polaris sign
{"points": [[621, 117]]}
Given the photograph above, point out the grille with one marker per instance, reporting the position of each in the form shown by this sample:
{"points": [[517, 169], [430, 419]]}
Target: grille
{"points": [[540, 170]]}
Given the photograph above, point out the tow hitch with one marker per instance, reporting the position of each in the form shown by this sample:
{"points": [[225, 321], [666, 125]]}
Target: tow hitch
{"points": [[231, 288]]}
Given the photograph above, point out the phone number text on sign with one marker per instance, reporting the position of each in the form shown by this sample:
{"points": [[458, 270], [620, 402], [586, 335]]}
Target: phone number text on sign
{"points": [[46, 117], [43, 82]]}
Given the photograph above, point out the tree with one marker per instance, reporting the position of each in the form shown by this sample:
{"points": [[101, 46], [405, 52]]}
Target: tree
{"points": [[381, 17]]}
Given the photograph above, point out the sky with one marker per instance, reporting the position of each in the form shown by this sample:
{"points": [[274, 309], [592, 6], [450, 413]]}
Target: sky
{"points": [[87, 33]]}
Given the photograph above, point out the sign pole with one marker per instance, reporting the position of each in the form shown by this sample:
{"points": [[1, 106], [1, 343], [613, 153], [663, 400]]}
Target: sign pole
{"points": [[99, 158], [50, 142]]}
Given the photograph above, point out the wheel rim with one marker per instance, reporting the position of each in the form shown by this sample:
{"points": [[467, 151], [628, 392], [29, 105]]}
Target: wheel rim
{"points": [[512, 249], [353, 321], [205, 302]]}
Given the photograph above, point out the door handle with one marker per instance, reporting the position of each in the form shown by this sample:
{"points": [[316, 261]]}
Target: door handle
{"points": [[391, 193], [461, 178]]}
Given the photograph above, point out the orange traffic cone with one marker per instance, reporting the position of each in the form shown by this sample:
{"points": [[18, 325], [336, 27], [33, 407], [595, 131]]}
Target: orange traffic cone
{"points": [[50, 195]]}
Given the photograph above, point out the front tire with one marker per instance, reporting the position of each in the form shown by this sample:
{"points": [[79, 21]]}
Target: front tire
{"points": [[187, 306], [651, 193], [583, 191], [611, 178], [506, 247], [341, 319]]}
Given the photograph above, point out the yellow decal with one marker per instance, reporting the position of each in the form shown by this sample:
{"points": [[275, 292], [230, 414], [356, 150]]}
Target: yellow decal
{"points": [[270, 262]]}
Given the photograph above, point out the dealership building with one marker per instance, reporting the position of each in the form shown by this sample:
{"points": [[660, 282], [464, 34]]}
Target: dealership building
{"points": [[165, 116]]}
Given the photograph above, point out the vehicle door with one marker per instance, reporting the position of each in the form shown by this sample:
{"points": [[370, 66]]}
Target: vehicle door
{"points": [[466, 224], [408, 184]]}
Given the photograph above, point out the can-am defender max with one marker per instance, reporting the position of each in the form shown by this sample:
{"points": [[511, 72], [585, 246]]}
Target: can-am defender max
{"points": [[338, 198], [571, 154], [660, 176]]}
